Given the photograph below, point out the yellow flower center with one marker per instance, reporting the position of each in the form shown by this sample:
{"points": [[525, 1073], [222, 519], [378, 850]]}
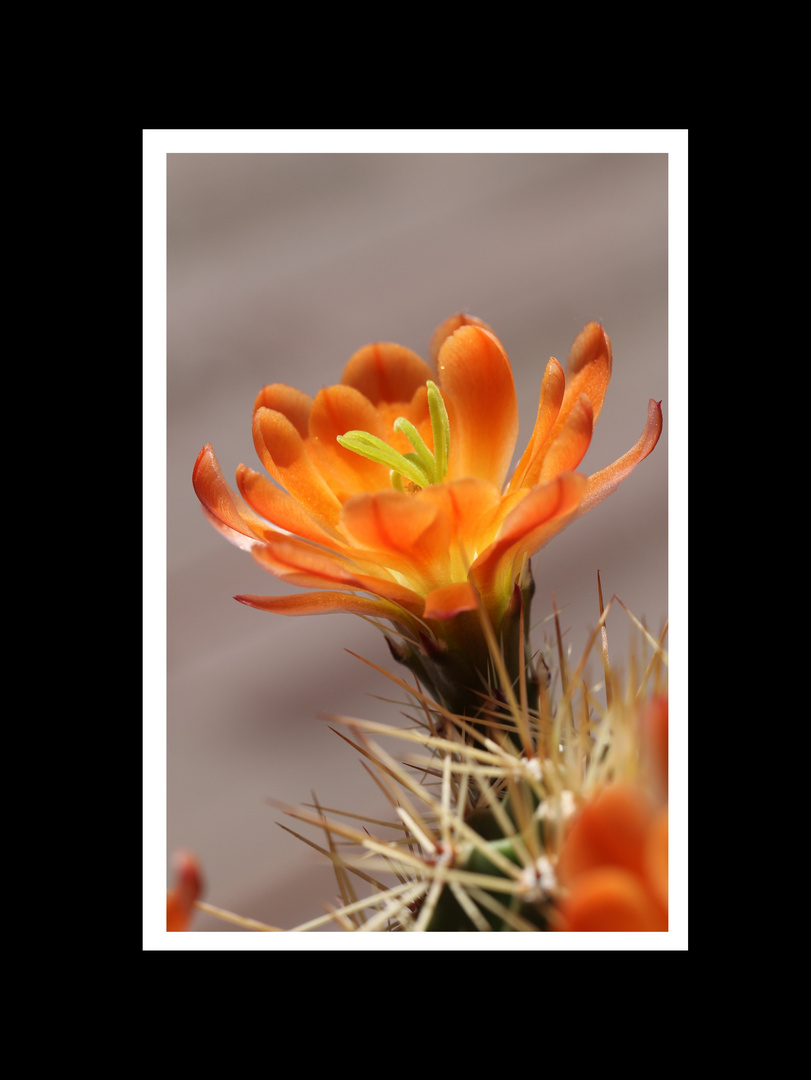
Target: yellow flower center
{"points": [[417, 469]]}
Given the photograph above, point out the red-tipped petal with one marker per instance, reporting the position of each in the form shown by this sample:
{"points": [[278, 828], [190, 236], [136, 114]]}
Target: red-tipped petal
{"points": [[477, 385], [226, 510]]}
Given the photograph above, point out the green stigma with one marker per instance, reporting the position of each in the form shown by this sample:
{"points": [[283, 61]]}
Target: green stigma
{"points": [[419, 468]]}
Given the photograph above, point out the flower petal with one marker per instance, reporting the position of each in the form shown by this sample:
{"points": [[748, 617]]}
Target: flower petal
{"points": [[609, 900], [300, 563], [603, 483], [449, 600], [229, 513], [654, 741], [291, 559], [589, 372], [553, 388], [324, 603], [281, 509], [448, 327], [409, 532], [610, 830], [477, 384], [336, 410], [588, 368], [568, 448], [656, 857], [474, 510], [544, 507], [387, 520], [292, 403], [282, 451], [385, 371]]}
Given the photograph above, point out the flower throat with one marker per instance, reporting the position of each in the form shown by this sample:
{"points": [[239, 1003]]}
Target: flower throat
{"points": [[419, 468]]}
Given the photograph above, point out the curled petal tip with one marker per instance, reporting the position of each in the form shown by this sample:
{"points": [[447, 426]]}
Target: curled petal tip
{"points": [[603, 483], [449, 327], [653, 428], [591, 344], [226, 510]]}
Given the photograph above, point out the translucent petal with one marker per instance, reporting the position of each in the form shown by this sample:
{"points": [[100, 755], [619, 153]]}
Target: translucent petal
{"points": [[300, 563], [224, 507], [323, 603]]}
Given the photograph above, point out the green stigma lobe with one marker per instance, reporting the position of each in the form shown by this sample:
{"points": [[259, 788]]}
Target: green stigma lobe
{"points": [[422, 455], [421, 467], [369, 446], [441, 429]]}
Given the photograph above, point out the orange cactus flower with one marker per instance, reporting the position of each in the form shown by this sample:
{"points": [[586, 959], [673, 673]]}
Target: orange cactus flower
{"points": [[187, 888], [389, 494], [613, 865]]}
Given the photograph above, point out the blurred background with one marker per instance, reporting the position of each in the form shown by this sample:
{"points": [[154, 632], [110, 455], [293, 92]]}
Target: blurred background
{"points": [[281, 265]]}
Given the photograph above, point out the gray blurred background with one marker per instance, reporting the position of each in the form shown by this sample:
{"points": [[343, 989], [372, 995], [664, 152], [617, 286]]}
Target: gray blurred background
{"points": [[279, 267]]}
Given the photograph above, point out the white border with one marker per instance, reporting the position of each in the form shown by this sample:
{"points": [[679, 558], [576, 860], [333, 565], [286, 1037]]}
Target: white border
{"points": [[157, 143]]}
